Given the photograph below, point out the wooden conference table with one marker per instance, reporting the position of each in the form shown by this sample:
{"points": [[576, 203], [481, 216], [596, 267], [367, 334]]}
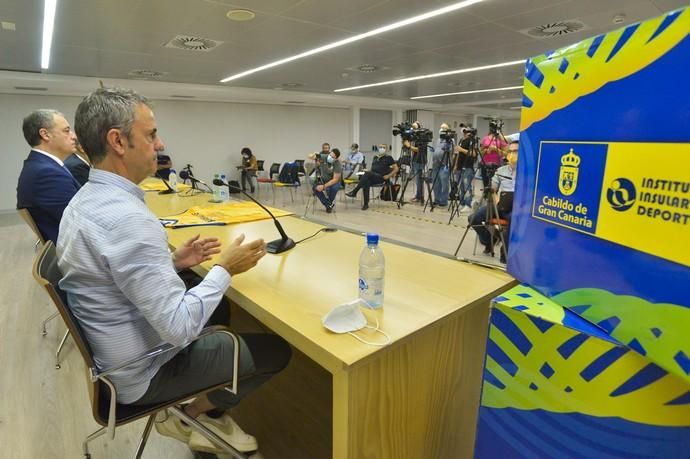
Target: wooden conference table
{"points": [[415, 398]]}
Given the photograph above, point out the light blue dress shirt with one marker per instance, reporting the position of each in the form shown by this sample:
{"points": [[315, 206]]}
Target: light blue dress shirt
{"points": [[121, 283]]}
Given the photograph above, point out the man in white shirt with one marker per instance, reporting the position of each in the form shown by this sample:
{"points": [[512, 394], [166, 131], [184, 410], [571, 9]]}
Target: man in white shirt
{"points": [[122, 284], [354, 161]]}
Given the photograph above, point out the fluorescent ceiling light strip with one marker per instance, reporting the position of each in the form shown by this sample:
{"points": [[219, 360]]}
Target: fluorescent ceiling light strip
{"points": [[476, 91], [362, 36], [433, 75], [48, 25]]}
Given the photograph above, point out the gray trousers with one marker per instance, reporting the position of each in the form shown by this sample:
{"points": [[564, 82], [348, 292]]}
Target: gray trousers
{"points": [[209, 361]]}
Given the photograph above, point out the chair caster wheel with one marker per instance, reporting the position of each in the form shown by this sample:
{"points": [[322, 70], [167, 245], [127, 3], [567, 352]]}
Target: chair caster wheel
{"points": [[44, 333], [87, 456], [57, 366]]}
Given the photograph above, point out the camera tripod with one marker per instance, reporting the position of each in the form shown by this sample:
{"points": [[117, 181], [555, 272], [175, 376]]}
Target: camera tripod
{"points": [[456, 199], [412, 176], [444, 163], [491, 221]]}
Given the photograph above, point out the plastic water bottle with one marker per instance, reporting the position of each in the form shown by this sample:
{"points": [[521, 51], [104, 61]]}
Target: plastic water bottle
{"points": [[172, 179], [372, 269], [216, 189], [224, 196]]}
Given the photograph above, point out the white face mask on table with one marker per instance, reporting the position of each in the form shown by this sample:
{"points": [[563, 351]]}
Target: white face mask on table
{"points": [[348, 318]]}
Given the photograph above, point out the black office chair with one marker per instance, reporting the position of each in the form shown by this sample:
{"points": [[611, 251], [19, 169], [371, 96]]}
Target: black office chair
{"points": [[106, 411]]}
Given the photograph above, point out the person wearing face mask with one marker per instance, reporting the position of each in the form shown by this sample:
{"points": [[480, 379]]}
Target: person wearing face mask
{"points": [[383, 167], [249, 168], [354, 161], [502, 182], [330, 176]]}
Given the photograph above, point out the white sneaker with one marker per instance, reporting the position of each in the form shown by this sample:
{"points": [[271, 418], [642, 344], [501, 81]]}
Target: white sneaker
{"points": [[227, 429], [172, 426], [465, 210]]}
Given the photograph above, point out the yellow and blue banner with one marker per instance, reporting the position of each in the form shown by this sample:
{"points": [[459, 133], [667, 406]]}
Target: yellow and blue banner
{"points": [[592, 359]]}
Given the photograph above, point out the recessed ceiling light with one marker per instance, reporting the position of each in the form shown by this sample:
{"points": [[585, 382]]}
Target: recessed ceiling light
{"points": [[10, 26], [367, 68], [432, 75], [619, 19], [29, 88], [362, 36], [292, 85], [240, 15], [48, 25], [507, 88]]}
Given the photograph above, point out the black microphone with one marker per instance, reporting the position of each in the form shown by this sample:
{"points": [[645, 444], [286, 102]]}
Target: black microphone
{"points": [[279, 245], [184, 175], [167, 185]]}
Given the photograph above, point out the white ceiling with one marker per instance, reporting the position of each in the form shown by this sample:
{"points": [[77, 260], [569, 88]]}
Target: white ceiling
{"points": [[109, 39]]}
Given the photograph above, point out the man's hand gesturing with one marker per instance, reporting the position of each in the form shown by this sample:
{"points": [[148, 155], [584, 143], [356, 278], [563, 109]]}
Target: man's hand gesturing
{"points": [[239, 257]]}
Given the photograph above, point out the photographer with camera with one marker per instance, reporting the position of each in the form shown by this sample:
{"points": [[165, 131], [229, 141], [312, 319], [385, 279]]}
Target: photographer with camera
{"points": [[494, 145], [503, 183], [418, 162], [329, 183], [463, 167], [383, 167], [248, 169], [319, 162], [440, 170]]}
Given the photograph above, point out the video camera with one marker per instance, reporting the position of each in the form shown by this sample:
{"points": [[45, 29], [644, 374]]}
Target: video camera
{"points": [[447, 134], [469, 130], [407, 132], [495, 126]]}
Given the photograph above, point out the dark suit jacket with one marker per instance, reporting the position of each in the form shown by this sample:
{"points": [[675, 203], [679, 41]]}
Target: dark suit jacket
{"points": [[78, 168], [45, 189]]}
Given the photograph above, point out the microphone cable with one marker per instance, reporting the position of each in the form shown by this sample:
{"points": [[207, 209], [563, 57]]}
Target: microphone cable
{"points": [[325, 230]]}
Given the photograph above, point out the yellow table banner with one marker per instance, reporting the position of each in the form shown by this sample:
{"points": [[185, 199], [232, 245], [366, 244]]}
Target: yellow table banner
{"points": [[220, 214]]}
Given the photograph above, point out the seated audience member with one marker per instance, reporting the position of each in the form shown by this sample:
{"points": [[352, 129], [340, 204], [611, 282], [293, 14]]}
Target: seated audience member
{"points": [[383, 167], [248, 167], [329, 184], [354, 161], [45, 186], [78, 164], [164, 165], [122, 284], [502, 182]]}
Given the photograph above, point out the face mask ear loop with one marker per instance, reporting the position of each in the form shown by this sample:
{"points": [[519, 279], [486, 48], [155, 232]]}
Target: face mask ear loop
{"points": [[388, 338]]}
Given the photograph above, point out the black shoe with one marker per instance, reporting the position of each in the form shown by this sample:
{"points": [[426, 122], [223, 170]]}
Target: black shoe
{"points": [[329, 208], [365, 206], [503, 258], [488, 250], [351, 194]]}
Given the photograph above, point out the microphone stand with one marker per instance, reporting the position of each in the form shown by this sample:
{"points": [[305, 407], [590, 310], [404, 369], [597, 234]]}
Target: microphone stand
{"points": [[279, 245], [184, 175], [167, 185]]}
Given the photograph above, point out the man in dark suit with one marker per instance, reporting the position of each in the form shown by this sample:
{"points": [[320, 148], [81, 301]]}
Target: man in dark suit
{"points": [[78, 164], [45, 186]]}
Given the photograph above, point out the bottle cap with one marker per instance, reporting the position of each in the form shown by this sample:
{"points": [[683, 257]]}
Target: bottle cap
{"points": [[372, 239], [172, 171]]}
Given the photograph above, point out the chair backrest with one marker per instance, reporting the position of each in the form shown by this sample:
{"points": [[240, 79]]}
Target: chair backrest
{"points": [[26, 216], [275, 170], [48, 275], [260, 165], [300, 166]]}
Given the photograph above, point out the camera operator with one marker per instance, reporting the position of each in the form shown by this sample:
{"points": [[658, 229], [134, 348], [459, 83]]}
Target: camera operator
{"points": [[330, 176], [440, 172], [319, 161], [463, 167], [418, 163], [383, 167], [502, 182], [493, 146], [354, 161]]}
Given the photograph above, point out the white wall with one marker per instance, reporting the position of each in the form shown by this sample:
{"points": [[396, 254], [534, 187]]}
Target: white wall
{"points": [[207, 135]]}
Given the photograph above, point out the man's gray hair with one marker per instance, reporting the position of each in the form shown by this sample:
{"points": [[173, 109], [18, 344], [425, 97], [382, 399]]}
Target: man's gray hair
{"points": [[37, 120], [103, 110]]}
